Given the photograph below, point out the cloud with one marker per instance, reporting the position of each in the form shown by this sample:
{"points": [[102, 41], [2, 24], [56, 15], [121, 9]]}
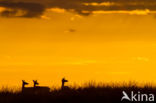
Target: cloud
{"points": [[36, 8], [145, 59], [70, 31], [21, 9]]}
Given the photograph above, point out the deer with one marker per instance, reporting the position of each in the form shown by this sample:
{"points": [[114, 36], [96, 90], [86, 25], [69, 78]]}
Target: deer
{"points": [[26, 89], [40, 89], [63, 87], [23, 84]]}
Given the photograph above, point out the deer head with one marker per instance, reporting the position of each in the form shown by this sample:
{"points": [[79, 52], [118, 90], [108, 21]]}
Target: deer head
{"points": [[63, 82], [35, 83], [24, 83]]}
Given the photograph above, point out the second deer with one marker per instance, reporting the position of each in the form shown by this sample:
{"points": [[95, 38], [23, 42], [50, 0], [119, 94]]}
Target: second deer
{"points": [[40, 89]]}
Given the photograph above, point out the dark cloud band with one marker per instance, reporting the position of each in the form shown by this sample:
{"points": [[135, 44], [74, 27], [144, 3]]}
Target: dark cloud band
{"points": [[35, 8]]}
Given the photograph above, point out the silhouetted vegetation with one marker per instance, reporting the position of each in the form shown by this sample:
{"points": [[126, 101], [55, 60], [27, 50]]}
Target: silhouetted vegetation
{"points": [[87, 94]]}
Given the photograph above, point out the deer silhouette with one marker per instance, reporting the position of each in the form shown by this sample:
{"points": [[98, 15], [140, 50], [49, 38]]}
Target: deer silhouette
{"points": [[63, 87], [23, 84], [35, 83], [26, 89], [34, 90], [40, 89]]}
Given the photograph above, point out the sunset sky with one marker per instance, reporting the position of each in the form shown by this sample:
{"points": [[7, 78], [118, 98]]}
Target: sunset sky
{"points": [[82, 40]]}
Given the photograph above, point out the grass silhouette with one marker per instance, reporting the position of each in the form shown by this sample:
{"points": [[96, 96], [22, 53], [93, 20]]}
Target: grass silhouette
{"points": [[91, 93]]}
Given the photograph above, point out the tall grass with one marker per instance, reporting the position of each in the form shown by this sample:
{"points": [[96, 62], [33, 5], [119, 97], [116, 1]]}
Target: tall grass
{"points": [[90, 93]]}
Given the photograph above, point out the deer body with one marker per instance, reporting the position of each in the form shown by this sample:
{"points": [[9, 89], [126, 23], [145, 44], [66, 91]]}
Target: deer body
{"points": [[40, 89], [26, 89]]}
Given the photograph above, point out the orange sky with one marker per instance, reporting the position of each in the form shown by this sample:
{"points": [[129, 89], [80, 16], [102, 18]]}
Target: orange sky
{"points": [[102, 47]]}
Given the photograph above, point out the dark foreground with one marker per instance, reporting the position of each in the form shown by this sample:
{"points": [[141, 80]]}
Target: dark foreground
{"points": [[91, 94]]}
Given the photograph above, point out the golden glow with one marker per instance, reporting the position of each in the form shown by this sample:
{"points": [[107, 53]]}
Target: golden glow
{"points": [[114, 47], [2, 9], [58, 10], [100, 4], [133, 12]]}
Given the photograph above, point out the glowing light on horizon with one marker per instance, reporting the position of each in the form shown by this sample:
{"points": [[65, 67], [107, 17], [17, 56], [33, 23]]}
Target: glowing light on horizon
{"points": [[57, 10], [100, 4], [2, 9], [132, 12]]}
